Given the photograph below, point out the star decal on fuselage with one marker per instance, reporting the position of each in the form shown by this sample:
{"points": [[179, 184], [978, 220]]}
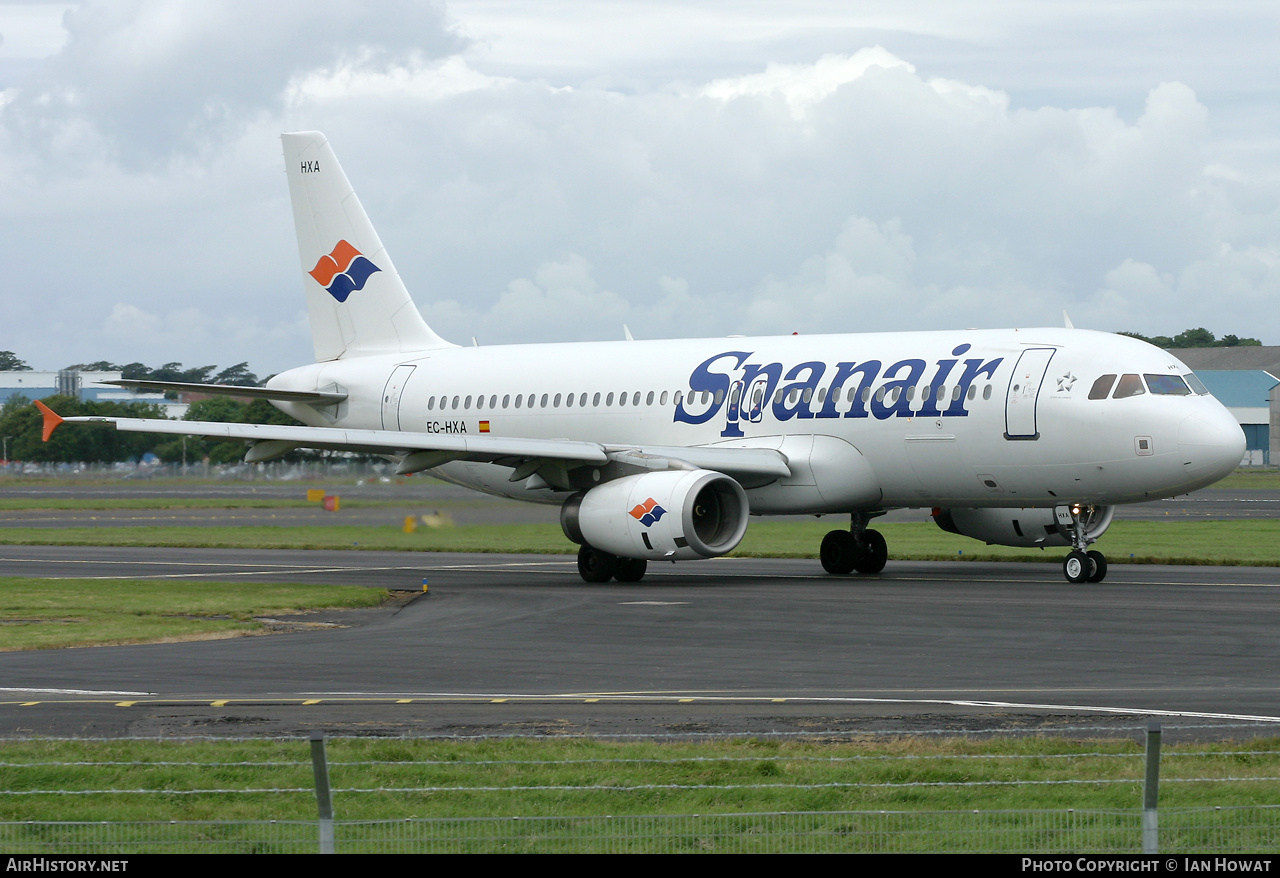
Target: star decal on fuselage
{"points": [[1065, 382]]}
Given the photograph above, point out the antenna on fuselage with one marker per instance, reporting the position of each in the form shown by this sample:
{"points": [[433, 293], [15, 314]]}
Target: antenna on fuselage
{"points": [[1066, 320], [626, 332]]}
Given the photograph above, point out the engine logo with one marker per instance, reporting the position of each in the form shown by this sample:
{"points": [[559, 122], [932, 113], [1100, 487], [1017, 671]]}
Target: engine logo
{"points": [[648, 512]]}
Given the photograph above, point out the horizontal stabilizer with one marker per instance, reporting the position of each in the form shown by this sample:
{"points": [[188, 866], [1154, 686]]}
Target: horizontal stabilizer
{"points": [[315, 397]]}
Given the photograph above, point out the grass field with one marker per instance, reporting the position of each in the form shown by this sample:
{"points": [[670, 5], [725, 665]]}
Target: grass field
{"points": [[53, 613], [1253, 542]]}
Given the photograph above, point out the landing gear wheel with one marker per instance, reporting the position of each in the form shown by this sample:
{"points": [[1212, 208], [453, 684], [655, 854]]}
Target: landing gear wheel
{"points": [[1099, 567], [630, 569], [595, 565], [838, 553], [1077, 566], [874, 554]]}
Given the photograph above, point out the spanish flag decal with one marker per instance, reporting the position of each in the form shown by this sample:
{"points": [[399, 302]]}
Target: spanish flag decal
{"points": [[484, 426]]}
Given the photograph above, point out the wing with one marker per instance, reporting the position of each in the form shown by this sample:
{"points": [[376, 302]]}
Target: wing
{"points": [[551, 459]]}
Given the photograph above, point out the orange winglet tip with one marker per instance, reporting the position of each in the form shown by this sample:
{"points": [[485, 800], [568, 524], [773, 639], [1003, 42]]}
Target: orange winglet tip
{"points": [[51, 420]]}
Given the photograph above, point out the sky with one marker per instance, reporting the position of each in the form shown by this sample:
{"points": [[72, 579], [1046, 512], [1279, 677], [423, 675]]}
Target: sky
{"points": [[550, 170]]}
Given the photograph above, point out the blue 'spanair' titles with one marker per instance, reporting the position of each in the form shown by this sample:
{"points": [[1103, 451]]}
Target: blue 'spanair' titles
{"points": [[744, 391]]}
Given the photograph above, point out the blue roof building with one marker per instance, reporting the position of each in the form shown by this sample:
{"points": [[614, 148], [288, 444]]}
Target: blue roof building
{"points": [[1247, 394]]}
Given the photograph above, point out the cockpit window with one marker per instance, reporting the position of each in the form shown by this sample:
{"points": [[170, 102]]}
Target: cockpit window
{"points": [[1102, 387], [1130, 385], [1196, 384], [1167, 385]]}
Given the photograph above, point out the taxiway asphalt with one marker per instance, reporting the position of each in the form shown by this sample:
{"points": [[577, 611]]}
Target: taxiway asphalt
{"points": [[735, 646]]}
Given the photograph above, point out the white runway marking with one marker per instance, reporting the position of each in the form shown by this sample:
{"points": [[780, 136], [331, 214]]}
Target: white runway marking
{"points": [[809, 699]]}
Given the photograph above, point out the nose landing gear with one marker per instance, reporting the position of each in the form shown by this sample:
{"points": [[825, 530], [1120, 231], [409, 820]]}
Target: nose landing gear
{"points": [[1082, 565]]}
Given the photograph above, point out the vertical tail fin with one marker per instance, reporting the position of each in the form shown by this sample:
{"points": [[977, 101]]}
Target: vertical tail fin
{"points": [[356, 301]]}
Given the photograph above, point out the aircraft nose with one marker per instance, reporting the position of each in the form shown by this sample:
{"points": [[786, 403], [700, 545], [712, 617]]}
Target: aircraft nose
{"points": [[1212, 445]]}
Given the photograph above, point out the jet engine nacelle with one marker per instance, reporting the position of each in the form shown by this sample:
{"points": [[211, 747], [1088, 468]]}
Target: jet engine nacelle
{"points": [[669, 515], [1023, 527]]}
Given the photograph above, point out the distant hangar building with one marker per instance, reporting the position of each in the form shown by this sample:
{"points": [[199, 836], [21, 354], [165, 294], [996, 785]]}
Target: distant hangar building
{"points": [[85, 386], [1247, 381]]}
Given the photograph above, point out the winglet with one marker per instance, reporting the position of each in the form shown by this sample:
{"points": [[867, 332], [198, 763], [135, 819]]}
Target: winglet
{"points": [[51, 419]]}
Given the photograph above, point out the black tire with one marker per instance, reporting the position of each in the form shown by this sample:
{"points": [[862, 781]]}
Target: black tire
{"points": [[838, 553], [1099, 567], [630, 569], [874, 554], [1077, 566], [595, 565]]}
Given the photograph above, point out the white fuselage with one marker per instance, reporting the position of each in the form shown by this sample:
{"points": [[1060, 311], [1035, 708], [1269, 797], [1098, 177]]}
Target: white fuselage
{"points": [[975, 418]]}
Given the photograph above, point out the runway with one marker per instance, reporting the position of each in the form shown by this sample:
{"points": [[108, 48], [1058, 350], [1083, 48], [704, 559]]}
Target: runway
{"points": [[505, 643]]}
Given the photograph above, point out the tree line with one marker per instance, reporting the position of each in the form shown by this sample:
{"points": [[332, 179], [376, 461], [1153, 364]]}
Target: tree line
{"points": [[239, 374], [21, 425], [1195, 338]]}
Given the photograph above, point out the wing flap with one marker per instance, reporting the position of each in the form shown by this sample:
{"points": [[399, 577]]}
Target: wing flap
{"points": [[371, 441], [433, 449], [730, 461]]}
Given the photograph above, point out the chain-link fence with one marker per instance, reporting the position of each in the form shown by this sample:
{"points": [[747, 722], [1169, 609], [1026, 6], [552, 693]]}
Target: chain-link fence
{"points": [[400, 771], [1192, 830]]}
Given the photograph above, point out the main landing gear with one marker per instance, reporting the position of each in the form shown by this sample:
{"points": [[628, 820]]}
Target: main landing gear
{"points": [[860, 549], [1082, 565], [596, 565]]}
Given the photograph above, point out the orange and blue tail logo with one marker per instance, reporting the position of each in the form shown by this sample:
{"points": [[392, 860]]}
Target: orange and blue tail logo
{"points": [[648, 512], [343, 271]]}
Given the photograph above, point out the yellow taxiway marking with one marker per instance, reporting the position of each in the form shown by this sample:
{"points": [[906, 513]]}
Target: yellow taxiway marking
{"points": [[311, 701], [497, 701], [590, 700], [125, 703], [222, 703], [404, 701]]}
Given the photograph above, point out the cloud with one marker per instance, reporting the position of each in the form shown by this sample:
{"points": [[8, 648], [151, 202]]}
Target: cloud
{"points": [[803, 85], [847, 192], [154, 76]]}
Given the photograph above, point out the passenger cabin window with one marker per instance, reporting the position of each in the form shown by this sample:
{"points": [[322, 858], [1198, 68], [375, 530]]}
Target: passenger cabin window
{"points": [[1167, 385], [1102, 387], [1130, 385]]}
